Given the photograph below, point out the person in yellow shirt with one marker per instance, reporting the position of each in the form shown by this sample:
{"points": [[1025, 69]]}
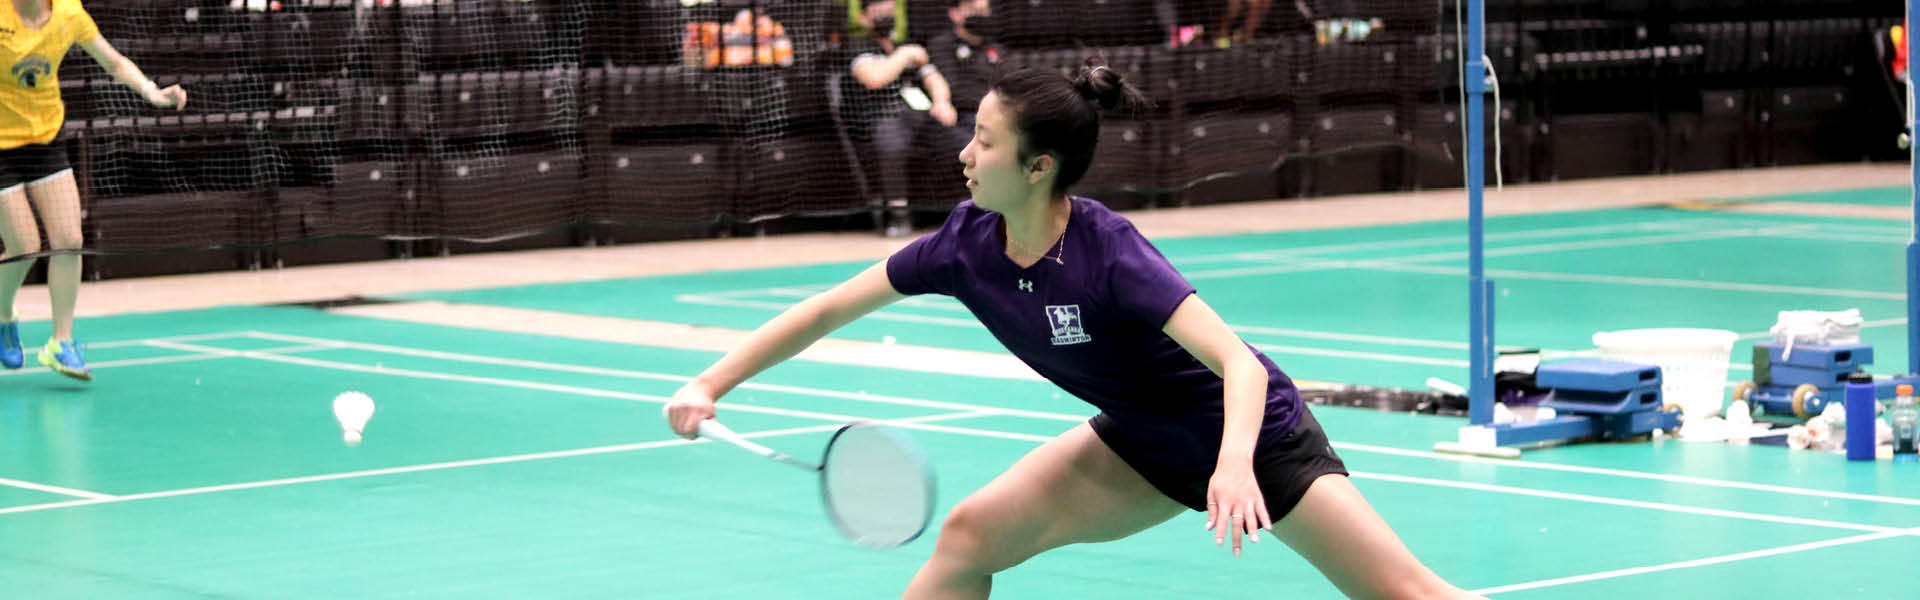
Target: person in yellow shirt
{"points": [[34, 36]]}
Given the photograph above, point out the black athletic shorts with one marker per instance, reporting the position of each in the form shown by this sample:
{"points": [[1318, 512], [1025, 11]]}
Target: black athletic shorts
{"points": [[32, 163], [1284, 469]]}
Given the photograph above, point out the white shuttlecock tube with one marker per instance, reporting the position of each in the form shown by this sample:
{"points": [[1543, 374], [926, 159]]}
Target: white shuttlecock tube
{"points": [[353, 409]]}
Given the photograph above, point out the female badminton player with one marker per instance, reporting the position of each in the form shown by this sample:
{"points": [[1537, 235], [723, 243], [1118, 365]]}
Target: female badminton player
{"points": [[33, 162], [1191, 416]]}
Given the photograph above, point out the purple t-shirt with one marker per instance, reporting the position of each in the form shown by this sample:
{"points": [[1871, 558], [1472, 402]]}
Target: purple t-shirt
{"points": [[1091, 323]]}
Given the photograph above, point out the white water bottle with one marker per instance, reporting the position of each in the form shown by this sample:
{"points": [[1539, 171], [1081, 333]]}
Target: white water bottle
{"points": [[1905, 419]]}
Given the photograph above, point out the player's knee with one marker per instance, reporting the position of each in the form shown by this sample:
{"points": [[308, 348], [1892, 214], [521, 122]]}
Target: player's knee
{"points": [[965, 530], [27, 245], [65, 240], [1413, 586], [967, 536]]}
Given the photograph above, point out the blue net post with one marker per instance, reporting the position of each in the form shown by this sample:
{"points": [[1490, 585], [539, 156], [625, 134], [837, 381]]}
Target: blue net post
{"points": [[1480, 297], [1913, 243]]}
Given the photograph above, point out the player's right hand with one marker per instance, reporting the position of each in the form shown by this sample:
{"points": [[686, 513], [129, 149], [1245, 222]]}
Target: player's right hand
{"points": [[168, 97], [914, 54], [690, 405]]}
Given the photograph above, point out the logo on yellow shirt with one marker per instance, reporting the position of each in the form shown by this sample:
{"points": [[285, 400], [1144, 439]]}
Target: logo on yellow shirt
{"points": [[30, 69]]}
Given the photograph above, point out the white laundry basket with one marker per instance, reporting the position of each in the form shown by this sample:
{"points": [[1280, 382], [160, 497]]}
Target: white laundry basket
{"points": [[1693, 362]]}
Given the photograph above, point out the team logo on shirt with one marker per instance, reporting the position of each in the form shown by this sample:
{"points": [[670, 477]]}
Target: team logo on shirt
{"points": [[1065, 320], [30, 69]]}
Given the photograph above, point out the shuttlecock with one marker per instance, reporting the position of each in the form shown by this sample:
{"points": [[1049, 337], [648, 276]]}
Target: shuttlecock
{"points": [[1740, 422], [352, 409], [1820, 434], [1835, 414], [1445, 387], [1739, 409], [1799, 437], [1502, 414]]}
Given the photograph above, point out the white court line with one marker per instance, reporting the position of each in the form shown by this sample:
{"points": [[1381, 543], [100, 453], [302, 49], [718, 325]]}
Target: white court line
{"points": [[903, 401], [1298, 333], [923, 301], [1700, 562], [118, 363], [446, 465], [630, 374], [1662, 506], [132, 362], [1843, 227], [1686, 479], [546, 387], [808, 290], [730, 297], [160, 360], [1400, 264], [1643, 281], [1460, 239], [974, 324], [910, 425], [1388, 265], [1375, 356], [1847, 237], [1351, 337], [1767, 335], [135, 361], [53, 489], [174, 338], [1276, 348], [957, 430], [1292, 266], [711, 300], [1645, 240]]}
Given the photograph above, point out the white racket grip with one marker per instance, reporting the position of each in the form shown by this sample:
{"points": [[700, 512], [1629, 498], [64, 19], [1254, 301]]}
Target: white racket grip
{"points": [[712, 429]]}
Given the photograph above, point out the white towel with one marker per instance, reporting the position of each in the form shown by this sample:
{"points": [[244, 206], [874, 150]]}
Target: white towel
{"points": [[1817, 328]]}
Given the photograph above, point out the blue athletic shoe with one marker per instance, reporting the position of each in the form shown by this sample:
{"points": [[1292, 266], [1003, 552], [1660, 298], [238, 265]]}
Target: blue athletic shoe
{"points": [[11, 355], [65, 358]]}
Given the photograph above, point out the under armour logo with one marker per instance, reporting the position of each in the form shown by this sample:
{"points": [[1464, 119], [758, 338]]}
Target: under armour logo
{"points": [[1026, 286]]}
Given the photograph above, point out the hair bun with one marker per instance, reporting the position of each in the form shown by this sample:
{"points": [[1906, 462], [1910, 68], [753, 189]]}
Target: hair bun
{"points": [[1105, 87]]}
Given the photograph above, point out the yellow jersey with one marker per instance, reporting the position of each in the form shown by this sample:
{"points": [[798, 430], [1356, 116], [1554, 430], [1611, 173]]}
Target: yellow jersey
{"points": [[30, 107]]}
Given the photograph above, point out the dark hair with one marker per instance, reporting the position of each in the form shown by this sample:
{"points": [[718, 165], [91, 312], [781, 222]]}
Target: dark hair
{"points": [[1061, 117]]}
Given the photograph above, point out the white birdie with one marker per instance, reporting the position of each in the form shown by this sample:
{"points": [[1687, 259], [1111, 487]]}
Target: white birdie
{"points": [[352, 409]]}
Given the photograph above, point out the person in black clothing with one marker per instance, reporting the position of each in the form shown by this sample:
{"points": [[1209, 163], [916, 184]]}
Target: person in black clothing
{"points": [[913, 103], [968, 59]]}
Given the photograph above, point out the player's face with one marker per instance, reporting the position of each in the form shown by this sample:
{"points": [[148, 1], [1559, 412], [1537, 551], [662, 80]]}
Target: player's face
{"points": [[995, 176]]}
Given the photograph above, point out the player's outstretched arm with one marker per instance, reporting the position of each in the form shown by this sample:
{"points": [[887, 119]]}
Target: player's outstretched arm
{"points": [[779, 339], [128, 74]]}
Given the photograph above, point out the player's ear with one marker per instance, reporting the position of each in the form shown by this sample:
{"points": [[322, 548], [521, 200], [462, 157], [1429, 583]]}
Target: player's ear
{"points": [[1040, 168]]}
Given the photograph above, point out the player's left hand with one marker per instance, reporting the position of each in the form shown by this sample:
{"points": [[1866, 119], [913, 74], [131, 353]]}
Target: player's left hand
{"points": [[945, 114], [169, 97], [1234, 504]]}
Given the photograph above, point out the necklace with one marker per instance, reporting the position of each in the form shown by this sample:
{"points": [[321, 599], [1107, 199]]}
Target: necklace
{"points": [[1059, 247]]}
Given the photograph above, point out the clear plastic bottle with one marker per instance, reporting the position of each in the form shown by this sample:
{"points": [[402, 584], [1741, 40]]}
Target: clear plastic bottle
{"points": [[1905, 419]]}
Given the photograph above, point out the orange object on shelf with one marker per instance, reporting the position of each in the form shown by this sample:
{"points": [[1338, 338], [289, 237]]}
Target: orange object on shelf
{"points": [[1899, 35]]}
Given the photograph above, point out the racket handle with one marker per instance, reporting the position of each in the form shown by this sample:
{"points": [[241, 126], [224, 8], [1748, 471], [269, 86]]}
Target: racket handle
{"points": [[713, 430]]}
